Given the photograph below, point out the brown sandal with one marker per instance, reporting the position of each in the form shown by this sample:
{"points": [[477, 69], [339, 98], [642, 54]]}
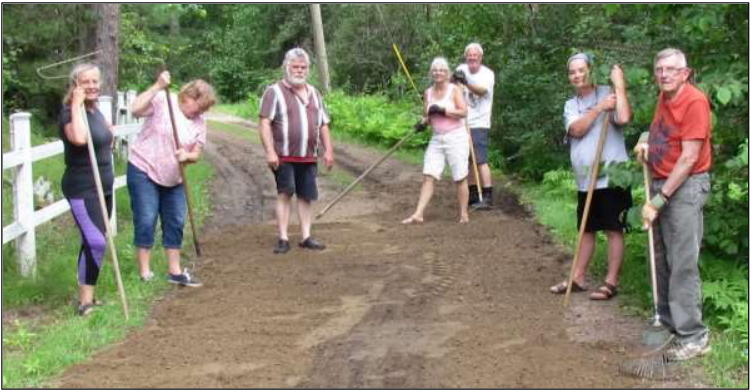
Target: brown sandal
{"points": [[604, 293], [561, 288]]}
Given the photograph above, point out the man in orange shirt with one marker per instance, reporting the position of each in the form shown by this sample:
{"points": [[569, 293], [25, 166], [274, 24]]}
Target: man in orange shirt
{"points": [[678, 153]]}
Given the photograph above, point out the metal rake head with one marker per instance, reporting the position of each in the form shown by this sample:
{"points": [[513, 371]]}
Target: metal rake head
{"points": [[650, 367]]}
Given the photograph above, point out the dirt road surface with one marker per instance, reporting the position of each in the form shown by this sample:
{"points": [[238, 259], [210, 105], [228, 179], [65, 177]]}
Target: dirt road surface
{"points": [[436, 305]]}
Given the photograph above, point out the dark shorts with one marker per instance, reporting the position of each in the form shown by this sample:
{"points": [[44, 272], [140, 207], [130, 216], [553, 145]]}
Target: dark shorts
{"points": [[608, 209], [480, 144], [297, 178]]}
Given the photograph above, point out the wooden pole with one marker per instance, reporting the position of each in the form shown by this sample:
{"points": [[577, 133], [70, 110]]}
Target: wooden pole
{"points": [[651, 250], [362, 176], [593, 178], [196, 245], [103, 205], [320, 45]]}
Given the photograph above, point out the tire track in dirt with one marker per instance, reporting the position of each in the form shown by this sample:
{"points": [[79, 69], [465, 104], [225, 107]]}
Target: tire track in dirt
{"points": [[436, 305]]}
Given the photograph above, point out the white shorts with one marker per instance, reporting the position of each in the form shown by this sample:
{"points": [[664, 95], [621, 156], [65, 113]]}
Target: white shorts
{"points": [[454, 147]]}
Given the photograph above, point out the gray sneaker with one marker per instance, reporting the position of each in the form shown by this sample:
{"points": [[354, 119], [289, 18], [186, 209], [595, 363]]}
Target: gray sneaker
{"points": [[184, 279], [689, 350]]}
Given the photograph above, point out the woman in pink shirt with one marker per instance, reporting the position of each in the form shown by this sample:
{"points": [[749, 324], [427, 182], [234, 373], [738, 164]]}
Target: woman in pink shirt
{"points": [[154, 181], [445, 110]]}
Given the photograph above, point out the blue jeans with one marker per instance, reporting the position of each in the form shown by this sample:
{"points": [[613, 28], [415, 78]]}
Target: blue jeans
{"points": [[150, 200]]}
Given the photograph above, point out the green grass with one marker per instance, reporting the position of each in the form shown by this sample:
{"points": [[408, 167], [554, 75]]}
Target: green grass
{"points": [[235, 130], [555, 204], [247, 110], [36, 349]]}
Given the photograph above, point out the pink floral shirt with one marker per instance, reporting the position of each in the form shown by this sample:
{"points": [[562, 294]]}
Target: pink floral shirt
{"points": [[153, 152]]}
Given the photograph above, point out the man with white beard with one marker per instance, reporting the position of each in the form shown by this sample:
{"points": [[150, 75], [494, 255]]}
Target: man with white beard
{"points": [[293, 119]]}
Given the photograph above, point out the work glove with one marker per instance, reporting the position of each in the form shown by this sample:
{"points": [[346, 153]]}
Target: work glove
{"points": [[436, 109], [458, 77], [641, 148], [419, 126], [651, 209]]}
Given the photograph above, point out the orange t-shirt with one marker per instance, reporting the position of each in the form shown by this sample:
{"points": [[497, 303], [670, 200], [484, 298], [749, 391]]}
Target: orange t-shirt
{"points": [[686, 117]]}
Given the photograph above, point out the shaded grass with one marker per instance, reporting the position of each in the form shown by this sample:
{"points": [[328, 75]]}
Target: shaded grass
{"points": [[60, 338], [555, 207]]}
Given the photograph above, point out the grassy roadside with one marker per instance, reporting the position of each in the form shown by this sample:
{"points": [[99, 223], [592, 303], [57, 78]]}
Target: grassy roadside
{"points": [[554, 202], [41, 335]]}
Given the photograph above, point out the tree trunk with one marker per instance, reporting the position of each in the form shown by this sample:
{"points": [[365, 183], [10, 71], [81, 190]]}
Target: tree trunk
{"points": [[108, 31], [320, 44]]}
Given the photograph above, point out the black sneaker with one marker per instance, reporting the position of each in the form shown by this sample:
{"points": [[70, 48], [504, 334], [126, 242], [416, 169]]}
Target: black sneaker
{"points": [[183, 279], [85, 310], [313, 244], [283, 246]]}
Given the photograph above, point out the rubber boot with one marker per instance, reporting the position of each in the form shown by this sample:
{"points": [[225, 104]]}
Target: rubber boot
{"points": [[478, 204], [473, 195], [488, 196]]}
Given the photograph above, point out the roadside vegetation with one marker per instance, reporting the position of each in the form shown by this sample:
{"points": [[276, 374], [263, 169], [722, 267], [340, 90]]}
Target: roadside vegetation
{"points": [[373, 103]]}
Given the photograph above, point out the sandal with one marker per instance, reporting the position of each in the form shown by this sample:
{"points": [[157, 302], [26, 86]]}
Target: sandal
{"points": [[561, 288], [604, 293]]}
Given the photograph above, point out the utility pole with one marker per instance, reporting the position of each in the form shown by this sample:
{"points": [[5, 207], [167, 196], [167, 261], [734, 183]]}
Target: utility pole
{"points": [[320, 45]]}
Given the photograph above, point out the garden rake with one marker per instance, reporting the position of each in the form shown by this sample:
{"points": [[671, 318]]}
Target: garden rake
{"points": [[105, 215], [385, 156], [186, 189]]}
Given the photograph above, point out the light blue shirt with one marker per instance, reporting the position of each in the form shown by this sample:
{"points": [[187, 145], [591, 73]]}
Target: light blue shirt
{"points": [[582, 150]]}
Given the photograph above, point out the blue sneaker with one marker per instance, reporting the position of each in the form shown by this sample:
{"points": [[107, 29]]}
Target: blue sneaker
{"points": [[183, 279]]}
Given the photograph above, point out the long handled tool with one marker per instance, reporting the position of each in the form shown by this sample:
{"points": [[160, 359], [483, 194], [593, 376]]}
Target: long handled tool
{"points": [[105, 215], [475, 162], [388, 153], [651, 248], [362, 176], [593, 178], [196, 244]]}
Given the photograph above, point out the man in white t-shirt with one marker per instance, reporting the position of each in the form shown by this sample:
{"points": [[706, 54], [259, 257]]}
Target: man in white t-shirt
{"points": [[479, 82]]}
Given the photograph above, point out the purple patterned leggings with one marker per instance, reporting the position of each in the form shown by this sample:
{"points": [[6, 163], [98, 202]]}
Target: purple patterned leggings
{"points": [[88, 215]]}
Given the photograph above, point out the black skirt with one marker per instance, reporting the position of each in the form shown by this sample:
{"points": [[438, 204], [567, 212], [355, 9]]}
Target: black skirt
{"points": [[608, 209]]}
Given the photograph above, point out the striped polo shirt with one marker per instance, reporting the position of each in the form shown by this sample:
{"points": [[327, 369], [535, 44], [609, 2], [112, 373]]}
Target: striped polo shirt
{"points": [[296, 123]]}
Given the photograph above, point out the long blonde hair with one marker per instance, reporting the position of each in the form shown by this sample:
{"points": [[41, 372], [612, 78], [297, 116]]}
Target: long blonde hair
{"points": [[73, 81]]}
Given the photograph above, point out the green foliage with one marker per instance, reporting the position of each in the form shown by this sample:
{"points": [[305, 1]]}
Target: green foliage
{"points": [[374, 118]]}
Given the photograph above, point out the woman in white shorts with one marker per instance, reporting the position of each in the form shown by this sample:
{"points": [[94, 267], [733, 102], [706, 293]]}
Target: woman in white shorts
{"points": [[445, 111]]}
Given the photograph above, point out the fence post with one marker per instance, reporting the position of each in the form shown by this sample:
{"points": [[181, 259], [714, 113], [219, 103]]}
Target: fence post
{"points": [[105, 106], [23, 194]]}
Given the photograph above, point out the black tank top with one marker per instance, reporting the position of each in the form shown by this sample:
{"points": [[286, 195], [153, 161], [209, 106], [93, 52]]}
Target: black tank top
{"points": [[78, 180]]}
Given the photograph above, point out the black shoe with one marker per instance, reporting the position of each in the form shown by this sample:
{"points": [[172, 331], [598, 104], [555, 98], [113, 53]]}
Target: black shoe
{"points": [[85, 310], [472, 196], [183, 279], [311, 243], [480, 206], [283, 246], [488, 196]]}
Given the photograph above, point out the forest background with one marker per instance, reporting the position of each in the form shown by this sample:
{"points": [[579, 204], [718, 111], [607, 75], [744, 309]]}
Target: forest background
{"points": [[239, 48]]}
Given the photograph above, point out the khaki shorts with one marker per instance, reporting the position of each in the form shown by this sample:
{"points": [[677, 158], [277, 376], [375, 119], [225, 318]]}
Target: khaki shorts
{"points": [[452, 147]]}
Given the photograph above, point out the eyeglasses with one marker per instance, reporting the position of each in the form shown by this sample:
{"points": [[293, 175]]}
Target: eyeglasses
{"points": [[668, 70]]}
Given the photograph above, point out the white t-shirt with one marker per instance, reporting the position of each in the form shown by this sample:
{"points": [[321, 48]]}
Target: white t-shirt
{"points": [[479, 106], [582, 151]]}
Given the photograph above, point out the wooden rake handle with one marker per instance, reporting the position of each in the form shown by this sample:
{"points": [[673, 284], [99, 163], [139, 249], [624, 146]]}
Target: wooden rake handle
{"points": [[594, 169], [186, 188], [103, 206]]}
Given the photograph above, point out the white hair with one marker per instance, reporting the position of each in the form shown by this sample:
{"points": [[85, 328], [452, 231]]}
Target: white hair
{"points": [[668, 52], [474, 45], [439, 63], [295, 53], [79, 69]]}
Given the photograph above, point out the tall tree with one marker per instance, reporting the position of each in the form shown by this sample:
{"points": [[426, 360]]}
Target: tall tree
{"points": [[108, 32]]}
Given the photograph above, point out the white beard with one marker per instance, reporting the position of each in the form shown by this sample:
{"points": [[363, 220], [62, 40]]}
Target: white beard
{"points": [[296, 81]]}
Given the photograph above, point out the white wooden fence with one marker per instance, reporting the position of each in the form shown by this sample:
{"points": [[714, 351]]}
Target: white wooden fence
{"points": [[21, 158]]}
